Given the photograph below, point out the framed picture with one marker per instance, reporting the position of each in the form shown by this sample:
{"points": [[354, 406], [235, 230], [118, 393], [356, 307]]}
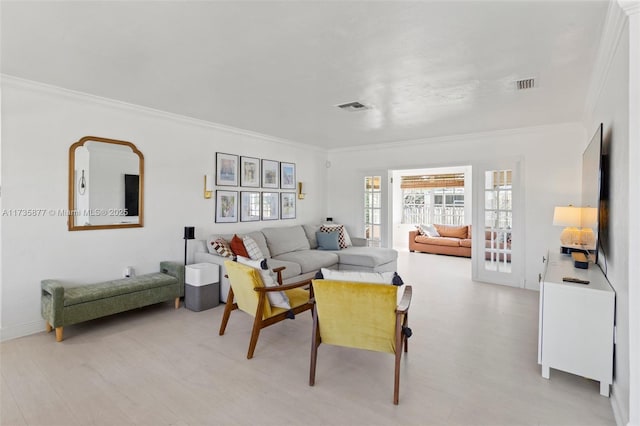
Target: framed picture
{"points": [[287, 205], [270, 204], [226, 206], [226, 169], [287, 176], [270, 174], [250, 172], [250, 206]]}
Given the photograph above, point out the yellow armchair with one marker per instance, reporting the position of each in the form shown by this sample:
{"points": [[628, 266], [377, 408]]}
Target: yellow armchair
{"points": [[362, 316], [250, 296]]}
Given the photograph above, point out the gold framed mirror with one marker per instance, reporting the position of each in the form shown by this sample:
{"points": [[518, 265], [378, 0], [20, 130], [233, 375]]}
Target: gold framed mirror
{"points": [[106, 185]]}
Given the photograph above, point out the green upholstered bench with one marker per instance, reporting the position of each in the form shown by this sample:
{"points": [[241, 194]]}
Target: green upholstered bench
{"points": [[64, 304]]}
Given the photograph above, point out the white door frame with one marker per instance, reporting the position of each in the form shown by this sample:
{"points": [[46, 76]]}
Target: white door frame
{"points": [[516, 277]]}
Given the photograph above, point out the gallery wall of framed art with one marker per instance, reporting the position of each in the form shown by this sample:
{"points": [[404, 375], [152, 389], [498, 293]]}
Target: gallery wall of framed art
{"points": [[258, 182]]}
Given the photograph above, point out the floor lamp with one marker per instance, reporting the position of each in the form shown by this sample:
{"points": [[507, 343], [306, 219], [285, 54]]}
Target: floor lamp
{"points": [[189, 234]]}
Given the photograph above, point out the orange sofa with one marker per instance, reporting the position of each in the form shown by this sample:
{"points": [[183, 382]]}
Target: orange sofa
{"points": [[454, 240]]}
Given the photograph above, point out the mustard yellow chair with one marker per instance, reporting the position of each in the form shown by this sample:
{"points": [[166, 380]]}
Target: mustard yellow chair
{"points": [[362, 316], [250, 296]]}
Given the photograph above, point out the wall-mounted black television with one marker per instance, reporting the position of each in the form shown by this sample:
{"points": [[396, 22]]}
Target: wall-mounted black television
{"points": [[592, 191]]}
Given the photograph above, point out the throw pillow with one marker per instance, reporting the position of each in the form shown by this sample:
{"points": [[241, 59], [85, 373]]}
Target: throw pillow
{"points": [[276, 298], [237, 246], [362, 277], [328, 240], [342, 237], [429, 231], [252, 248], [221, 247]]}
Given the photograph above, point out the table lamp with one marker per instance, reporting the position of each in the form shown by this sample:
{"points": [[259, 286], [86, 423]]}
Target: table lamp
{"points": [[570, 218]]}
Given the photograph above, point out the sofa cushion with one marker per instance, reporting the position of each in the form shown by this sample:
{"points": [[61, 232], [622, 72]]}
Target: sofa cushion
{"points": [[370, 257], [343, 237], [428, 230], [328, 240], [221, 247], [237, 247], [439, 241], [452, 231], [311, 230], [252, 248], [311, 260], [286, 239], [291, 270], [465, 243]]}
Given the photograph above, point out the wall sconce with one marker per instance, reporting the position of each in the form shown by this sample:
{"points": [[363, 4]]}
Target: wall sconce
{"points": [[300, 193], [208, 186], [569, 217]]}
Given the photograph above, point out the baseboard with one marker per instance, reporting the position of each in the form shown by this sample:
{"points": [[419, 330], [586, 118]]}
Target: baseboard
{"points": [[618, 411], [21, 330]]}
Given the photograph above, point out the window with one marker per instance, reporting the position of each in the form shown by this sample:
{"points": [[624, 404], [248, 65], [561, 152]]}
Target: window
{"points": [[372, 210]]}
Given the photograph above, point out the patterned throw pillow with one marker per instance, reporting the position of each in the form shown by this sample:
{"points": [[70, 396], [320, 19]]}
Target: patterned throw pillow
{"points": [[221, 246], [252, 248], [237, 246], [342, 237]]}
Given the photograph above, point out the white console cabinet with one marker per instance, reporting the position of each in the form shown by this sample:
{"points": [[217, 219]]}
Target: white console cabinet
{"points": [[576, 324]]}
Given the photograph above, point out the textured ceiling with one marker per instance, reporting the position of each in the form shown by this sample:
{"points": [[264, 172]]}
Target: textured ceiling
{"points": [[426, 69]]}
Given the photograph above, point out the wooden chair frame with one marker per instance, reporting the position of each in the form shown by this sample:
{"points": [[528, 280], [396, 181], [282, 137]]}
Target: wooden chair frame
{"points": [[259, 322], [402, 320]]}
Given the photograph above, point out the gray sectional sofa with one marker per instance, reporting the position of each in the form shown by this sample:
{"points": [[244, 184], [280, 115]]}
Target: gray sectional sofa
{"points": [[296, 248]]}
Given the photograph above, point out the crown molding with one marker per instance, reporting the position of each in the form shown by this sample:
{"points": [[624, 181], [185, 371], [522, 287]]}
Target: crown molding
{"points": [[462, 137], [612, 31], [630, 7], [22, 83]]}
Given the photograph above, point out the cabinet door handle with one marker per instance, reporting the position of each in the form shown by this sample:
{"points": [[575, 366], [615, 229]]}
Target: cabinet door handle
{"points": [[539, 277], [544, 259]]}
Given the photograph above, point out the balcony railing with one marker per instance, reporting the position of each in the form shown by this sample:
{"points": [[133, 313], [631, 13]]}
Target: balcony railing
{"points": [[430, 214]]}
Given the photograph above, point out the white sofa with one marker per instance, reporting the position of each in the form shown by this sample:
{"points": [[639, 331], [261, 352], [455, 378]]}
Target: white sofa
{"points": [[295, 247]]}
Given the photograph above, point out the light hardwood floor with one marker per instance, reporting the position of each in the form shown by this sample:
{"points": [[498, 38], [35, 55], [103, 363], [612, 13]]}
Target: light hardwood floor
{"points": [[472, 361]]}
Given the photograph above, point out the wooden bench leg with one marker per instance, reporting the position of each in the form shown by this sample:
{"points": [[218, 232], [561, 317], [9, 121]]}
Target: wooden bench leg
{"points": [[177, 302], [58, 334], [48, 327]]}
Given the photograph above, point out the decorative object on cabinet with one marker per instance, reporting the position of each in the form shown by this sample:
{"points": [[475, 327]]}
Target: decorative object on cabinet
{"points": [[270, 174], [250, 172], [226, 169], [287, 175], [226, 206], [105, 206]]}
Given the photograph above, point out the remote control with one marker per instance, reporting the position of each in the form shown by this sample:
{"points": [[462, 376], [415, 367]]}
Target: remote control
{"points": [[574, 280]]}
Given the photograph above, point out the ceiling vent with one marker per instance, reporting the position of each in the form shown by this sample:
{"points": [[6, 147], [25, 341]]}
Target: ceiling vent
{"points": [[527, 83], [353, 106]]}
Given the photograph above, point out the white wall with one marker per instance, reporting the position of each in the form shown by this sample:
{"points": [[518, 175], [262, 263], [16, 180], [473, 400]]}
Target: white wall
{"points": [[612, 109], [551, 157], [39, 124]]}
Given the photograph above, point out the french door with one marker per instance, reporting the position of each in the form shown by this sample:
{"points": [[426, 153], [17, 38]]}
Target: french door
{"points": [[497, 223]]}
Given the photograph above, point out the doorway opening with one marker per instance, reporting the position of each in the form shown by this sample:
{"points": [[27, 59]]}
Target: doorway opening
{"points": [[441, 195]]}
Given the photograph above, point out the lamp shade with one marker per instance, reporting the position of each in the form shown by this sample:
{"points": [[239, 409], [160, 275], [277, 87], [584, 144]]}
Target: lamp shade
{"points": [[567, 216], [589, 217]]}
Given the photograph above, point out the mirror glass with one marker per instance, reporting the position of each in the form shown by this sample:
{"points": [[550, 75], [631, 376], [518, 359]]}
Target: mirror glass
{"points": [[106, 179]]}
